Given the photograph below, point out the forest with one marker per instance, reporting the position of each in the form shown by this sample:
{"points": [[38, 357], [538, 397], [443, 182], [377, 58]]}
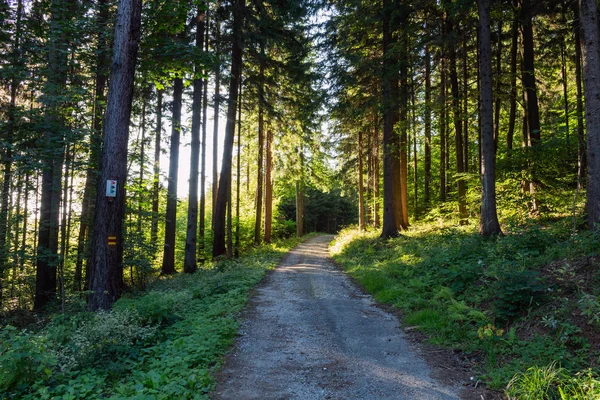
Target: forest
{"points": [[163, 154]]}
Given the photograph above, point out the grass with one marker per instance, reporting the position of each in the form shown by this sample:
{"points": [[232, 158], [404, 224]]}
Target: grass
{"points": [[517, 302], [161, 344]]}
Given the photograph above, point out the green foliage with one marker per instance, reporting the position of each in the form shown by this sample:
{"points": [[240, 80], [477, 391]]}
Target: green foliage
{"points": [[553, 382], [283, 228], [515, 293], [323, 211], [162, 344], [590, 307], [24, 359]]}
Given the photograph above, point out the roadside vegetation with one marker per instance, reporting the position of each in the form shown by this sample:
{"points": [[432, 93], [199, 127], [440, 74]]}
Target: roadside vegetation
{"points": [[523, 307], [160, 344]]}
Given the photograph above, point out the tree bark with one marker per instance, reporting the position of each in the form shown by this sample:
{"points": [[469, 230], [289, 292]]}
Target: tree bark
{"points": [[460, 169], [156, 180], [361, 207], [588, 15], [268, 186], [56, 72], [529, 81], [442, 128], [498, 86], [531, 100], [141, 188], [299, 208], [465, 104], [238, 174], [225, 179], [168, 264], [261, 145], [392, 203], [514, 49], [404, 123], [106, 280], [376, 171], [489, 219], [427, 122], [413, 125], [578, 82], [563, 67], [7, 158], [217, 103], [189, 264], [202, 214], [89, 192]]}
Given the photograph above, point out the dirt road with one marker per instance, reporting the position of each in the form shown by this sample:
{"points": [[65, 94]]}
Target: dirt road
{"points": [[310, 334]]}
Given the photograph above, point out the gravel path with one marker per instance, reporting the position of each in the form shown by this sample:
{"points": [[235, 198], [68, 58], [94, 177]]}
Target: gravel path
{"points": [[310, 334]]}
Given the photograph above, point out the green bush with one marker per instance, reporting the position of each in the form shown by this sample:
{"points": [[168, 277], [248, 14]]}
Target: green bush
{"points": [[106, 336], [516, 292], [553, 382], [283, 228], [24, 359]]}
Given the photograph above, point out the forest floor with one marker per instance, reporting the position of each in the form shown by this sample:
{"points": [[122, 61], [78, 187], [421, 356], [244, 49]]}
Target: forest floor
{"points": [[310, 333]]}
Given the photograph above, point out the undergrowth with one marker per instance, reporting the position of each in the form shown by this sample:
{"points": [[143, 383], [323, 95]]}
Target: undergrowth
{"points": [[520, 301], [161, 344]]}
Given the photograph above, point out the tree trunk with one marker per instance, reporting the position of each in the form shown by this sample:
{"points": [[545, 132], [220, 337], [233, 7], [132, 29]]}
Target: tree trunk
{"points": [[563, 67], [16, 235], [578, 82], [299, 208], [156, 179], [514, 49], [106, 281], [64, 242], [189, 263], [202, 214], [465, 104], [225, 179], [460, 169], [238, 175], [404, 145], [47, 254], [23, 251], [361, 204], [229, 224], [268, 186], [531, 100], [392, 203], [498, 86], [376, 170], [413, 125], [168, 264], [368, 186], [89, 192], [479, 152], [529, 82], [261, 145], [217, 103], [141, 188], [442, 128], [588, 15], [489, 219], [8, 142], [427, 121]]}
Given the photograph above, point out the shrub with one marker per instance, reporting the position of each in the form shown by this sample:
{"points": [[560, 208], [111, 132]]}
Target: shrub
{"points": [[516, 292], [24, 359], [553, 382], [107, 335]]}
